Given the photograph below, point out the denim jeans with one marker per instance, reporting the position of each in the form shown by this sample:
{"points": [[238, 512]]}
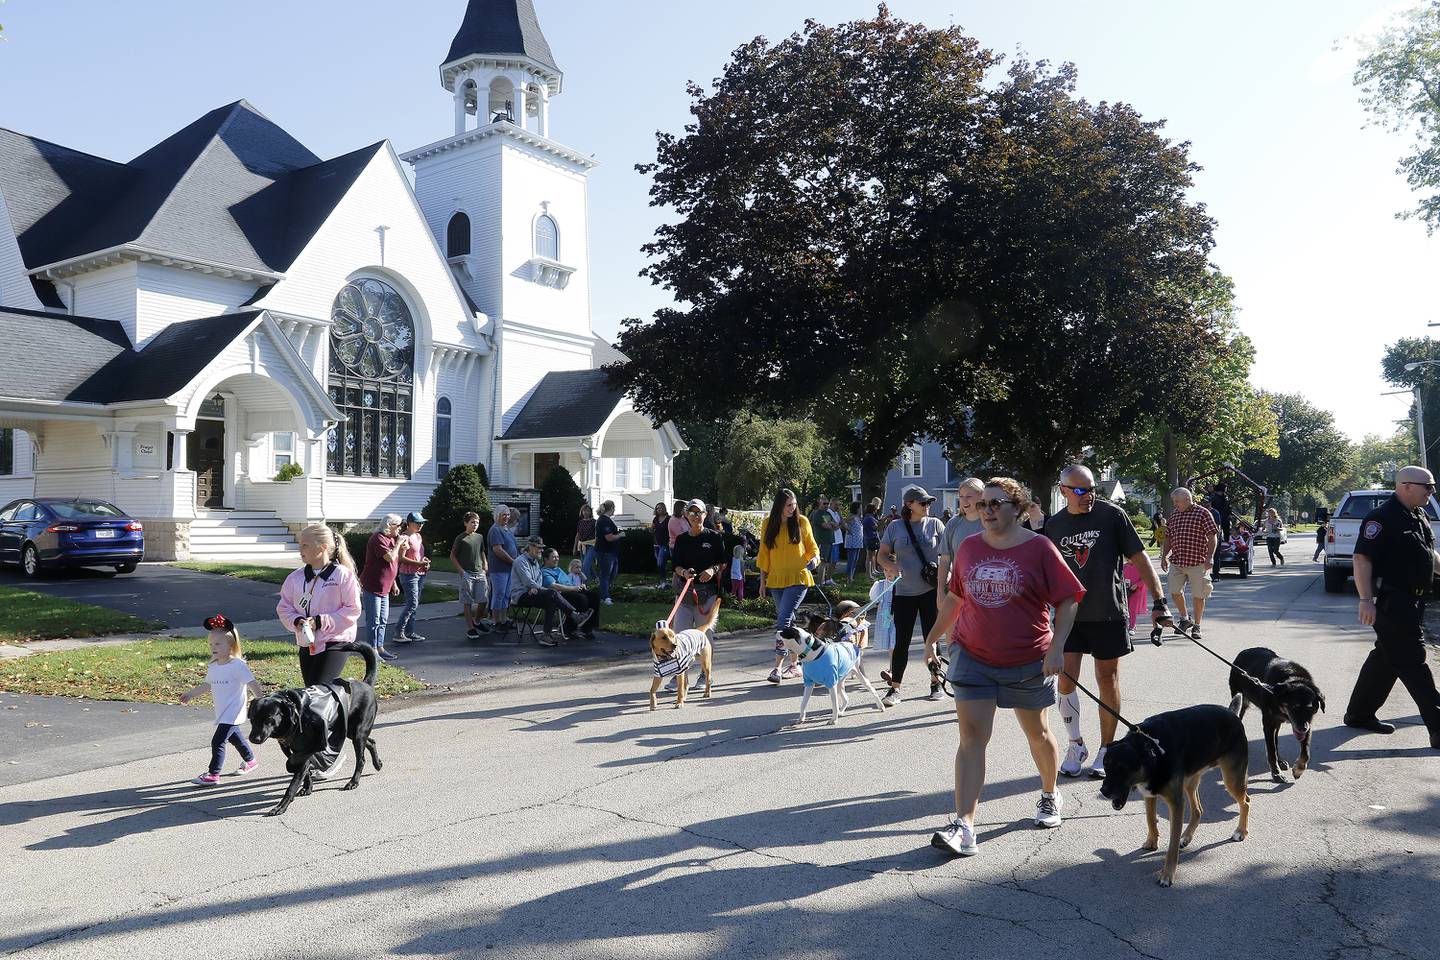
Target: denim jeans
{"points": [[228, 733], [411, 584], [787, 599], [377, 613], [587, 564], [609, 564], [662, 555]]}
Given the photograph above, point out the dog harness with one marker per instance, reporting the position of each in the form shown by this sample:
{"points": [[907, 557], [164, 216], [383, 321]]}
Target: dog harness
{"points": [[688, 644]]}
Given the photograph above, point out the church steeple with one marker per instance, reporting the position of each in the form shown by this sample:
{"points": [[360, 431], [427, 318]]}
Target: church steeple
{"points": [[500, 68]]}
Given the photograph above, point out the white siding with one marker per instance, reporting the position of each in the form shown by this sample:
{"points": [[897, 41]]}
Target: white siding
{"points": [[109, 294], [167, 295], [525, 357], [15, 287], [469, 180], [529, 182]]}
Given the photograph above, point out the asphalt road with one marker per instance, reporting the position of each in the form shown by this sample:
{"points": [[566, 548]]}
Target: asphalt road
{"points": [[549, 813], [173, 596]]}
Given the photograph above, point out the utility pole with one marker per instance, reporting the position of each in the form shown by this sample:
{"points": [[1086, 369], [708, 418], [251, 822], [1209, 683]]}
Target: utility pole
{"points": [[1420, 426]]}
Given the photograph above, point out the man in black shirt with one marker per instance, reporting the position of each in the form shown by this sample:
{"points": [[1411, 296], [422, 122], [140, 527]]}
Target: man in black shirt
{"points": [[1395, 560], [1096, 538]]}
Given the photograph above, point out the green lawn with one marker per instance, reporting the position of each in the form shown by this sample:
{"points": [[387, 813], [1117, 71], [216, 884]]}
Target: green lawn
{"points": [[28, 615], [433, 592], [159, 670], [639, 618]]}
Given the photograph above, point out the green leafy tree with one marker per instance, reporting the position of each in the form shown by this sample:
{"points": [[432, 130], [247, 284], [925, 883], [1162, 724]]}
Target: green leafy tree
{"points": [[764, 455], [807, 190], [1426, 378], [697, 468], [1399, 80], [560, 502], [458, 494], [1312, 453]]}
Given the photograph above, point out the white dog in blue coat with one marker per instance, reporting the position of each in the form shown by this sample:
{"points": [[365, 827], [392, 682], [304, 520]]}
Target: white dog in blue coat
{"points": [[828, 662]]}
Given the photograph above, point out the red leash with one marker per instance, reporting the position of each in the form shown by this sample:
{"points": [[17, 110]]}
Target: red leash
{"points": [[668, 621]]}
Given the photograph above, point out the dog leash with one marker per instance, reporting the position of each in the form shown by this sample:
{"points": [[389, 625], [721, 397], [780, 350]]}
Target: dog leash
{"points": [[668, 621], [1114, 713], [1243, 672]]}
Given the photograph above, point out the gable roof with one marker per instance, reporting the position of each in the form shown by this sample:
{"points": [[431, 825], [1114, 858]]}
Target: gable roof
{"points": [[568, 403], [231, 188], [59, 358], [501, 28]]}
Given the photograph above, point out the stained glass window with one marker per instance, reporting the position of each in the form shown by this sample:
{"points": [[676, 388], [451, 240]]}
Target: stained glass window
{"points": [[7, 452], [442, 437], [372, 372]]}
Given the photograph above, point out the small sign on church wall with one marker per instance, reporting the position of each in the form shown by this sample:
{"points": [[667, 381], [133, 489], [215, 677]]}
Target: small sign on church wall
{"points": [[144, 449]]}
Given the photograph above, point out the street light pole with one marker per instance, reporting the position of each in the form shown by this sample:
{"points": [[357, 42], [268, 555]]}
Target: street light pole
{"points": [[1420, 426]]}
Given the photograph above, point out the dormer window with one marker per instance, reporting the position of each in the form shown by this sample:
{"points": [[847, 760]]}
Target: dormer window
{"points": [[457, 236]]}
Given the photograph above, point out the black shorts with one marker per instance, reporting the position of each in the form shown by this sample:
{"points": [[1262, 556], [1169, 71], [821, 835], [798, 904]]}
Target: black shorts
{"points": [[1102, 639]]}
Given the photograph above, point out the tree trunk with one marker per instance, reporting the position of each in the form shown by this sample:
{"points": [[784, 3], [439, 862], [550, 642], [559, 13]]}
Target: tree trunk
{"points": [[1172, 469], [872, 480]]}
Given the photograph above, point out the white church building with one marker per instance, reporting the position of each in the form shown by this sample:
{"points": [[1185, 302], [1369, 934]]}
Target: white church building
{"points": [[177, 328]]}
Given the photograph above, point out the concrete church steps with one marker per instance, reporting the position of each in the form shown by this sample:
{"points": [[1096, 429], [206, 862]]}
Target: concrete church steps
{"points": [[241, 535]]}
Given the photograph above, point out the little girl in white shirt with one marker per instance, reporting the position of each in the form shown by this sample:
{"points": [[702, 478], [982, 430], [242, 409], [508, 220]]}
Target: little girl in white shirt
{"points": [[227, 678]]}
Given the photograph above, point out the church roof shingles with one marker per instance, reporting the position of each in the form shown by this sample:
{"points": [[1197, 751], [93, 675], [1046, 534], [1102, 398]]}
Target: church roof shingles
{"points": [[568, 403], [501, 28], [231, 188]]}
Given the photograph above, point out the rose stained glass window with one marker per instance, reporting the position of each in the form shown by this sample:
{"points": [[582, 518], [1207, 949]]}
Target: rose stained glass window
{"points": [[372, 373]]}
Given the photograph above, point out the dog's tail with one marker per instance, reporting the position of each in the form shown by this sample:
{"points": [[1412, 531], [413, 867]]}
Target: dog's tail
{"points": [[1237, 704], [709, 625], [372, 662]]}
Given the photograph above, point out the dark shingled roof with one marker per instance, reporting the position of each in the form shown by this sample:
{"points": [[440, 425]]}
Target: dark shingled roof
{"points": [[82, 360], [232, 188], [501, 28], [570, 403]]}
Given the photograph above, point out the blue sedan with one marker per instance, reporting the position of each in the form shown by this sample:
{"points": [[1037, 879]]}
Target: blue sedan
{"points": [[46, 532]]}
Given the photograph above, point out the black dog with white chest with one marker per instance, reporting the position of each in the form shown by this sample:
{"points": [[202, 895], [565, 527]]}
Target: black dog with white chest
{"points": [[1166, 757], [1286, 692], [312, 725]]}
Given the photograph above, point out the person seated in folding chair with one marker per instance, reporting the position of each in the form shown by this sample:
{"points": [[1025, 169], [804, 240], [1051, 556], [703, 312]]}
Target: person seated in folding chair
{"points": [[527, 589]]}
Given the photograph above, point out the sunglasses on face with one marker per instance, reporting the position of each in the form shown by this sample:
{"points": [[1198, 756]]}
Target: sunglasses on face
{"points": [[1416, 483], [694, 512], [995, 504], [1079, 491]]}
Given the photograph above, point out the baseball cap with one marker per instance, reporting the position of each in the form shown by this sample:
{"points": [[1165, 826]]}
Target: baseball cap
{"points": [[916, 493], [534, 542], [414, 517], [696, 503]]}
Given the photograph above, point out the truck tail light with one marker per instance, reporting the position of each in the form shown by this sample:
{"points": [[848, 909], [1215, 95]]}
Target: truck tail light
{"points": [[1329, 534], [62, 528]]}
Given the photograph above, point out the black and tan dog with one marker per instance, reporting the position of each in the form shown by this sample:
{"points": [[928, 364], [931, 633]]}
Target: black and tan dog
{"points": [[312, 725], [672, 653], [1286, 692], [1168, 763]]}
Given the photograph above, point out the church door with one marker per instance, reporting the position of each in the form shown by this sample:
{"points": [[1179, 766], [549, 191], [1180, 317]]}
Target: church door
{"points": [[206, 454]]}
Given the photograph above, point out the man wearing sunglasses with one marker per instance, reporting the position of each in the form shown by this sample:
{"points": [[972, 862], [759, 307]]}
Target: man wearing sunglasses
{"points": [[1096, 538], [1395, 560]]}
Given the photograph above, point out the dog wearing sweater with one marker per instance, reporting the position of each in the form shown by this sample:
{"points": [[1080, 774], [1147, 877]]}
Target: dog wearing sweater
{"points": [[673, 653], [829, 652]]}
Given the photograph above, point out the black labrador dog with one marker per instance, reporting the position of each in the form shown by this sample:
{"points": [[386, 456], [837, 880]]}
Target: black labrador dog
{"points": [[1166, 759], [1286, 692], [313, 723]]}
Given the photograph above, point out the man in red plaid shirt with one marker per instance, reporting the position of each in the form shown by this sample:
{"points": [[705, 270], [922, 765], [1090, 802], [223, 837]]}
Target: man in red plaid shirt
{"points": [[1190, 540]]}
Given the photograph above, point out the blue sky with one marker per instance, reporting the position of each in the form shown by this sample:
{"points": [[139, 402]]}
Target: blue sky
{"points": [[1304, 195]]}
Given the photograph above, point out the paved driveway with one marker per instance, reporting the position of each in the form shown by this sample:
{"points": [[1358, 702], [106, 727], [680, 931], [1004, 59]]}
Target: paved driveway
{"points": [[551, 814], [171, 595]]}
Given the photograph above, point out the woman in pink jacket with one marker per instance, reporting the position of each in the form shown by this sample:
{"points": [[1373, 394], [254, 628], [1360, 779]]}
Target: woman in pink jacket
{"points": [[320, 604]]}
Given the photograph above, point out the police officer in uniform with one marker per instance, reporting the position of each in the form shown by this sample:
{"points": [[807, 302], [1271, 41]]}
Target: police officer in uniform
{"points": [[1395, 559]]}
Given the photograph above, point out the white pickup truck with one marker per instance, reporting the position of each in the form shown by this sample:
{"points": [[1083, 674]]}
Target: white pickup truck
{"points": [[1344, 527]]}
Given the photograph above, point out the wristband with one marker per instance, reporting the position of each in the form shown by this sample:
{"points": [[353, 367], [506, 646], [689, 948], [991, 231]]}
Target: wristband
{"points": [[1367, 599]]}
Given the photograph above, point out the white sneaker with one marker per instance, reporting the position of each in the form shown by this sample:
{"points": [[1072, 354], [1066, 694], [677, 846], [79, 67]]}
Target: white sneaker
{"points": [[1075, 759], [608, 602], [1097, 769], [957, 837], [1047, 809], [892, 697]]}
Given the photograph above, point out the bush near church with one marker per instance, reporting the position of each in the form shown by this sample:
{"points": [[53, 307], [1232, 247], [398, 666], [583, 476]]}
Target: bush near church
{"points": [[560, 502], [461, 492]]}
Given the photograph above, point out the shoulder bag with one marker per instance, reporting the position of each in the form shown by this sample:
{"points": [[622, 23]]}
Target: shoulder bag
{"points": [[929, 569]]}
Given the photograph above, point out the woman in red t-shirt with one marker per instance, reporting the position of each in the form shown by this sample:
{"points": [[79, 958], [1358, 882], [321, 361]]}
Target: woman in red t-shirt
{"points": [[1005, 651]]}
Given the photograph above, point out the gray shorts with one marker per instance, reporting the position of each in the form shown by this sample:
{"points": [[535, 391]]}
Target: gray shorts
{"points": [[474, 590], [1013, 688]]}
